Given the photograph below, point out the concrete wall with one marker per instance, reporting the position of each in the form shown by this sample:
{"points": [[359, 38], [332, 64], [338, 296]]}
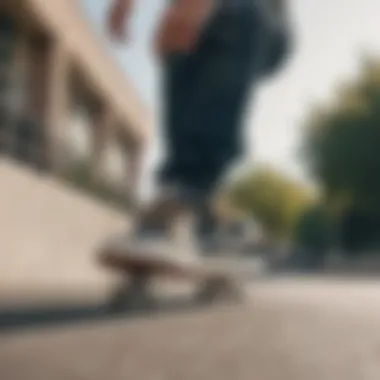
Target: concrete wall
{"points": [[49, 233], [69, 26]]}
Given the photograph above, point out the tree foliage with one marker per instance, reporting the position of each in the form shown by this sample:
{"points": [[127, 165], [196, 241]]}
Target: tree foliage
{"points": [[272, 199], [342, 144], [315, 228]]}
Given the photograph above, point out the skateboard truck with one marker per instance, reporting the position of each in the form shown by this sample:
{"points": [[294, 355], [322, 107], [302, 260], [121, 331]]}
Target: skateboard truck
{"points": [[133, 294]]}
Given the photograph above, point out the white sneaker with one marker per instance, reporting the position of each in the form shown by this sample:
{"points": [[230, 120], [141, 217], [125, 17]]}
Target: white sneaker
{"points": [[177, 245]]}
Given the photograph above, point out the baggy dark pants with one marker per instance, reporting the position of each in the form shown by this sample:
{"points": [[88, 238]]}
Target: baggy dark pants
{"points": [[205, 95]]}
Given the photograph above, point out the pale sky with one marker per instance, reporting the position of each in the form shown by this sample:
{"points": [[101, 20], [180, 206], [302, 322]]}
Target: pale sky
{"points": [[331, 35]]}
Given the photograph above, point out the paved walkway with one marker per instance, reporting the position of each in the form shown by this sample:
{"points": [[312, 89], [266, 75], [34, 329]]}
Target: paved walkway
{"points": [[292, 329]]}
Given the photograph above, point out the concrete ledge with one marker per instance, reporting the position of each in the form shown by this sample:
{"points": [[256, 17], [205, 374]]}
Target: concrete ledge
{"points": [[49, 232]]}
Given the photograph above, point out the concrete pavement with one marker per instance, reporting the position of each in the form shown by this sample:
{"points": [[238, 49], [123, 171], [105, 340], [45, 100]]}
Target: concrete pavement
{"points": [[291, 329]]}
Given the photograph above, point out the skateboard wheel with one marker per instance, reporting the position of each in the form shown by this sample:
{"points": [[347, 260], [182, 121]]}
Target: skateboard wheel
{"points": [[219, 290], [132, 296]]}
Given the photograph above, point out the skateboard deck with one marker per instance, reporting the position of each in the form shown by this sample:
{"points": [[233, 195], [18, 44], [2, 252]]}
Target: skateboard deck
{"points": [[138, 264], [218, 278], [164, 265]]}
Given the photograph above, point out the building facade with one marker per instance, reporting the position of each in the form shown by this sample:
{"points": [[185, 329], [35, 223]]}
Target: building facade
{"points": [[63, 100]]}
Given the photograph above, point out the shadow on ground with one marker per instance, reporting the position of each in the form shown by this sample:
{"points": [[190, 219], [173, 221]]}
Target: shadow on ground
{"points": [[26, 318]]}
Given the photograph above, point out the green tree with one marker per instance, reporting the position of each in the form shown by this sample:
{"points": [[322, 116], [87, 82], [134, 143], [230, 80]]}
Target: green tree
{"points": [[342, 142], [342, 151], [271, 198], [315, 228]]}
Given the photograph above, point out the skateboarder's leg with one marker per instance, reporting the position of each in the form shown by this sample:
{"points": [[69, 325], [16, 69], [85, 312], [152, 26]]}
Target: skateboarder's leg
{"points": [[206, 94]]}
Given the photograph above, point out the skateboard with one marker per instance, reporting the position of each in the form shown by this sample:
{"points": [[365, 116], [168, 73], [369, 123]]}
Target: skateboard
{"points": [[217, 279]]}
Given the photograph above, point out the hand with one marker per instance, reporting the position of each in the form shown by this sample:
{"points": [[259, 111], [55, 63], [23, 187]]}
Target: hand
{"points": [[181, 25], [117, 21]]}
